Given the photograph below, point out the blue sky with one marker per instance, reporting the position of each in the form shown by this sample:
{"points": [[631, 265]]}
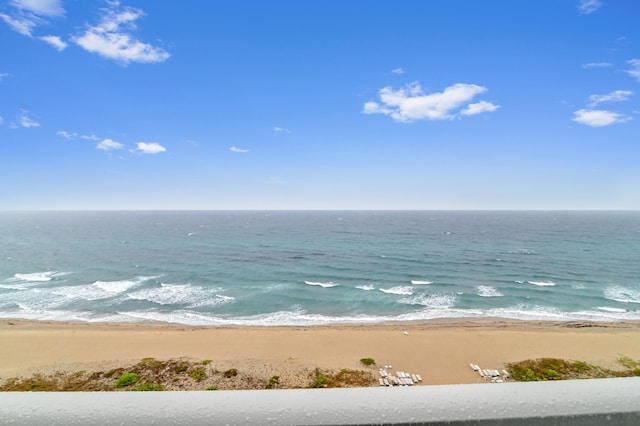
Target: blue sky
{"points": [[320, 104]]}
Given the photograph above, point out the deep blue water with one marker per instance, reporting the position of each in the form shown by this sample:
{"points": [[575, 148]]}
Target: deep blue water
{"points": [[276, 268]]}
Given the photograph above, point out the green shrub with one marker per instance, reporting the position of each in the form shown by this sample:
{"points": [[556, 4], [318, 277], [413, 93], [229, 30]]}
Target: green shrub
{"points": [[151, 364], [206, 362], [127, 379], [272, 382], [197, 373], [212, 388], [148, 387], [367, 361], [629, 363], [318, 380]]}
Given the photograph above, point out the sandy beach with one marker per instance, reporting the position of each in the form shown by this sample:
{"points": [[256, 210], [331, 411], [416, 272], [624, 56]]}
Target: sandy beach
{"points": [[440, 351]]}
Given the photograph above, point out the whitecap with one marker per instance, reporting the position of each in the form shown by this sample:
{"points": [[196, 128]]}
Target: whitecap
{"points": [[419, 282], [542, 283], [181, 294], [35, 276], [488, 291], [320, 284], [622, 294], [365, 287], [24, 281], [101, 289], [399, 290], [433, 301], [609, 309]]}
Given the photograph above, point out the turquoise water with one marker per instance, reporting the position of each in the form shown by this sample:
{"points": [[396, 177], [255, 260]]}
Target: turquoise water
{"points": [[303, 268]]}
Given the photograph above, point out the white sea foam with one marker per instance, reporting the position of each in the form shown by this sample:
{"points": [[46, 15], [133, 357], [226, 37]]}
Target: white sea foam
{"points": [[365, 287], [622, 294], [24, 281], [431, 301], [419, 282], [101, 289], [488, 291], [438, 310], [542, 283], [320, 284], [399, 290], [36, 276], [182, 294], [609, 309]]}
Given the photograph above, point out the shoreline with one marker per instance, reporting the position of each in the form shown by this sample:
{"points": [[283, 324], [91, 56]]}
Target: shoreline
{"points": [[439, 350]]}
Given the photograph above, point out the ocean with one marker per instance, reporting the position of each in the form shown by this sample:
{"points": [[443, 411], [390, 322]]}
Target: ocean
{"points": [[271, 268]]}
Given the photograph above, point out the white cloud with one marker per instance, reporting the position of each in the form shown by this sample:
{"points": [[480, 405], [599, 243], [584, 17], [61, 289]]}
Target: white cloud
{"points": [[149, 148], [22, 25], [110, 39], [28, 14], [66, 134], [479, 107], [75, 135], [1, 121], [598, 118], [109, 145], [397, 71], [281, 130], [410, 103], [25, 120], [597, 65], [635, 72], [238, 150], [586, 7], [615, 96], [39, 7], [3, 75], [55, 41]]}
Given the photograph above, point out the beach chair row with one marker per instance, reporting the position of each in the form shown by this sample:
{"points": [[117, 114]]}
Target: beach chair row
{"points": [[489, 374], [400, 379]]}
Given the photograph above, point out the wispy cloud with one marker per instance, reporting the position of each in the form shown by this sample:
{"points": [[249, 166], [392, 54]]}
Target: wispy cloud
{"points": [[586, 7], [25, 120], [75, 135], [55, 41], [3, 75], [66, 134], [615, 96], [479, 108], [598, 118], [597, 65], [281, 130], [39, 7], [411, 103], [149, 148], [1, 121], [238, 150], [635, 71], [111, 37], [20, 25], [25, 15], [397, 71], [109, 145]]}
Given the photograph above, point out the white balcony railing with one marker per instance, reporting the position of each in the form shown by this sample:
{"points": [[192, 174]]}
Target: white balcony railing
{"points": [[580, 402]]}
